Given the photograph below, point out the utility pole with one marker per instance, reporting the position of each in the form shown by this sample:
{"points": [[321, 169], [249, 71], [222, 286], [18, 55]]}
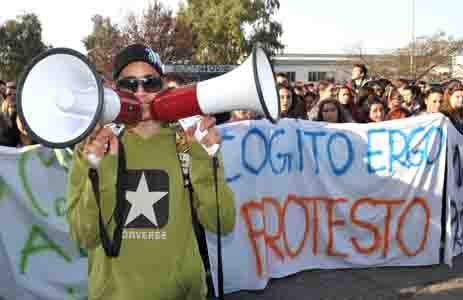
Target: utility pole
{"points": [[412, 39]]}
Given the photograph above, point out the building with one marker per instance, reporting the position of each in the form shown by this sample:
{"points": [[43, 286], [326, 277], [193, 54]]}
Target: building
{"points": [[338, 67], [314, 67]]}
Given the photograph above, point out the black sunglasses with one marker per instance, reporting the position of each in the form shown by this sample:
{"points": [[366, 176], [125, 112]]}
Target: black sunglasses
{"points": [[151, 84]]}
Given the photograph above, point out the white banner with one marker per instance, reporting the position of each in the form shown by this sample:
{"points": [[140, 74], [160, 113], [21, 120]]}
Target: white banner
{"points": [[454, 194], [316, 195], [37, 258]]}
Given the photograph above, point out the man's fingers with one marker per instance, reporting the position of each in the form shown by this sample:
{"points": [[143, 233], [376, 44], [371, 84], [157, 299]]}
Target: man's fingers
{"points": [[113, 145], [207, 122], [211, 138], [190, 131], [97, 150]]}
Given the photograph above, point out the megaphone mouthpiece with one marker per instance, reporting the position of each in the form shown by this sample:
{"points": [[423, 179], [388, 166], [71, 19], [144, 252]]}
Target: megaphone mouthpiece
{"points": [[174, 104]]}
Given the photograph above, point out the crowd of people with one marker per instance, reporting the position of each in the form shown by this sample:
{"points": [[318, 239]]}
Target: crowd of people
{"points": [[359, 100], [364, 100]]}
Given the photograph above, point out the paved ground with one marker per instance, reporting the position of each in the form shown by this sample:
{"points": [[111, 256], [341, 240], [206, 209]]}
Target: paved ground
{"points": [[411, 283]]}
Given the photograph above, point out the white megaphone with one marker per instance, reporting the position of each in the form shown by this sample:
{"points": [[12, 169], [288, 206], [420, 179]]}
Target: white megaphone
{"points": [[61, 97]]}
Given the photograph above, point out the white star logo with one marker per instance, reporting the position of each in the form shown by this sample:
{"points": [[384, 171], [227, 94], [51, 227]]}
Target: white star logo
{"points": [[142, 202]]}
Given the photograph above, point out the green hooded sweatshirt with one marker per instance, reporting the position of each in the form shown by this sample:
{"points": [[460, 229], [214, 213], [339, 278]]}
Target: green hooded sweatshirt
{"points": [[159, 257]]}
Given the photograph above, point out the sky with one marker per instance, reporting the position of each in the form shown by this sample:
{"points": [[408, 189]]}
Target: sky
{"points": [[310, 26]]}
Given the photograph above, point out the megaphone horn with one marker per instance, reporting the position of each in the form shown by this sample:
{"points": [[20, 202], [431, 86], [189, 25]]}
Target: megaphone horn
{"points": [[61, 98], [251, 86]]}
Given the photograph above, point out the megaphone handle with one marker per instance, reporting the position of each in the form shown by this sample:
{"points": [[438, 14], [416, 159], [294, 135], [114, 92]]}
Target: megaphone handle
{"points": [[95, 160]]}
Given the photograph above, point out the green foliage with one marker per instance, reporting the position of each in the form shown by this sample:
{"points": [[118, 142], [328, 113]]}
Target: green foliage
{"points": [[266, 32], [220, 28], [20, 42], [156, 27], [159, 28], [203, 31], [103, 43]]}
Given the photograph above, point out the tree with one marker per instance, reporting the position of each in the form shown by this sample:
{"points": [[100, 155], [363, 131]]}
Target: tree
{"points": [[20, 42], [103, 43], [432, 61], [266, 32], [434, 52], [220, 27], [158, 28]]}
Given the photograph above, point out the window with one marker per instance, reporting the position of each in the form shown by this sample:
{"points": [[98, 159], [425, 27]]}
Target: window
{"points": [[291, 76], [316, 76]]}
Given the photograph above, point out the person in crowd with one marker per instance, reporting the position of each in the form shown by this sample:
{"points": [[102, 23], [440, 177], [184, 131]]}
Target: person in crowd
{"points": [[282, 78], [399, 84], [9, 133], [299, 91], [422, 85], [10, 88], [310, 87], [364, 96], [291, 105], [395, 109], [410, 103], [330, 110], [24, 138], [453, 104], [434, 98], [2, 91], [174, 80], [242, 115], [9, 105], [450, 82], [159, 256], [297, 109], [299, 88], [326, 89], [376, 110], [286, 99], [359, 77], [346, 99], [310, 100], [378, 88]]}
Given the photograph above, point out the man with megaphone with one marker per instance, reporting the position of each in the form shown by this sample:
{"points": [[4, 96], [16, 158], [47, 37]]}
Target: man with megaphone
{"points": [[147, 248]]}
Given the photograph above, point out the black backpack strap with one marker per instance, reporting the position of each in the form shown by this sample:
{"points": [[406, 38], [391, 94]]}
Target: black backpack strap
{"points": [[112, 247], [197, 226], [215, 166]]}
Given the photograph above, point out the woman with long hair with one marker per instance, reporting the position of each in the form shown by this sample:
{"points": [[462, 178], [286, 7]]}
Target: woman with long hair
{"points": [[376, 110], [394, 102], [330, 110], [433, 100], [453, 104]]}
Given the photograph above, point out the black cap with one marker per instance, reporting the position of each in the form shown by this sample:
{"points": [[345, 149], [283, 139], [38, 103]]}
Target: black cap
{"points": [[133, 53]]}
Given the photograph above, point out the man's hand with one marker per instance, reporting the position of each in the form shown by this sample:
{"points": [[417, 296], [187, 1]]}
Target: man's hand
{"points": [[212, 136], [101, 142]]}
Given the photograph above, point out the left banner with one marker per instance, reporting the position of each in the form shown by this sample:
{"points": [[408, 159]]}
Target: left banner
{"points": [[37, 258]]}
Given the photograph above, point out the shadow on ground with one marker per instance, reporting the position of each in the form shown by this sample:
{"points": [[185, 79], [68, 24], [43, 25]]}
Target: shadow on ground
{"points": [[438, 282]]}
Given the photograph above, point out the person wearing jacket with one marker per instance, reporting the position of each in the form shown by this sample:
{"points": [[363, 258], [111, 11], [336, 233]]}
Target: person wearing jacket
{"points": [[159, 256]]}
